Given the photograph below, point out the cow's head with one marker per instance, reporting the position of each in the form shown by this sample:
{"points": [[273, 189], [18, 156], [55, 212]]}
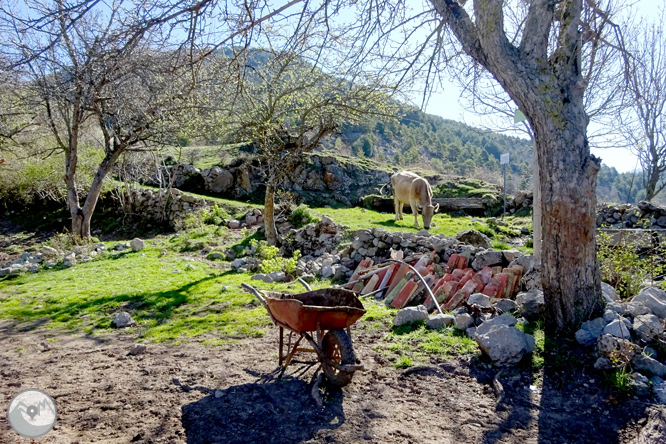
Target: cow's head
{"points": [[428, 212]]}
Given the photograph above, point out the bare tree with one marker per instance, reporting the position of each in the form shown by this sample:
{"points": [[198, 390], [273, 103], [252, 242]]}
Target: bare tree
{"points": [[286, 105], [101, 70], [645, 121]]}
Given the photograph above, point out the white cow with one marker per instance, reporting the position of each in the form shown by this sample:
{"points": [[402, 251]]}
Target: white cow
{"points": [[412, 189]]}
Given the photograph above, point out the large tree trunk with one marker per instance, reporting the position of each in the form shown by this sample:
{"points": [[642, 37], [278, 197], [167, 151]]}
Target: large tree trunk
{"points": [[570, 275], [269, 216], [536, 207]]}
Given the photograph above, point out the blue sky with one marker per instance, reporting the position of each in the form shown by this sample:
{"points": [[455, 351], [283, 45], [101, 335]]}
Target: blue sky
{"points": [[446, 103]]}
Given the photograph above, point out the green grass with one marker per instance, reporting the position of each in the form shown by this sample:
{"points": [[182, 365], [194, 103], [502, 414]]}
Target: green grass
{"points": [[167, 306]]}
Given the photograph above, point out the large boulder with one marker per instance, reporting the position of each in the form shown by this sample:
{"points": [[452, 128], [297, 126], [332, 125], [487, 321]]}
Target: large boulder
{"points": [[644, 363], [473, 237], [220, 180], [609, 293], [505, 345], [504, 319], [410, 314], [653, 298]]}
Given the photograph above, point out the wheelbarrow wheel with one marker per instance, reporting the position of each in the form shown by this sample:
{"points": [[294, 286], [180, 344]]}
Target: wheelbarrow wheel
{"points": [[337, 346]]}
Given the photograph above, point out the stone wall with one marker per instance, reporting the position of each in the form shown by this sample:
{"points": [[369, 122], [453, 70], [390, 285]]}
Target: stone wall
{"points": [[319, 180], [644, 215]]}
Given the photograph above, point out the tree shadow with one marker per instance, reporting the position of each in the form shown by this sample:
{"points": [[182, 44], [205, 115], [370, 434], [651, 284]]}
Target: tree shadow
{"points": [[275, 411], [559, 393]]}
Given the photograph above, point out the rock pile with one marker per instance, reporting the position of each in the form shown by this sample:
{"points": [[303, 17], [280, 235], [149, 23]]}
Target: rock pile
{"points": [[643, 215], [629, 333]]}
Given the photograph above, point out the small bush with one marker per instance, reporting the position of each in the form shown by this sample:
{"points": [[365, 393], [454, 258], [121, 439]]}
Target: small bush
{"points": [[620, 380], [270, 261], [301, 216], [404, 362]]}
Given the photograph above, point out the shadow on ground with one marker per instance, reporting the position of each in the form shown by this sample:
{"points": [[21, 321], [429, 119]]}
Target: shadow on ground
{"points": [[277, 411]]}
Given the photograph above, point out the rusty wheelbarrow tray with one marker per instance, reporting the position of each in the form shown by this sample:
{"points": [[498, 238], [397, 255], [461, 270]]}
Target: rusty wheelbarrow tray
{"points": [[328, 313]]}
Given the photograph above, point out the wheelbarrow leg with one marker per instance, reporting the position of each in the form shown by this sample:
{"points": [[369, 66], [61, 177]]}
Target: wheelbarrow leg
{"points": [[281, 343]]}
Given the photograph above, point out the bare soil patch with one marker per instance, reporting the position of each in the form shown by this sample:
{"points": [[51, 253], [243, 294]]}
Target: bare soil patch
{"points": [[195, 394]]}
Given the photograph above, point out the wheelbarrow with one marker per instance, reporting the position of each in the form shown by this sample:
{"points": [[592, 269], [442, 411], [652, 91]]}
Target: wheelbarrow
{"points": [[328, 313]]}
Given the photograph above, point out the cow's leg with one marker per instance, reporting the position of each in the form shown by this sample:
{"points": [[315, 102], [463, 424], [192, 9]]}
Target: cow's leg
{"points": [[396, 207], [415, 210], [400, 209]]}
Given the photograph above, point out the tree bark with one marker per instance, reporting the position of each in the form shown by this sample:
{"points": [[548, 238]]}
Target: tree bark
{"points": [[570, 276], [536, 207], [269, 215]]}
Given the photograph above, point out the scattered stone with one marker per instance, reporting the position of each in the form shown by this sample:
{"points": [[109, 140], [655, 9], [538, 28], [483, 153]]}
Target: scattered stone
{"points": [[511, 255], [137, 244], [505, 345], [69, 261], [463, 321], [471, 332], [277, 276], [439, 321], [653, 298], [219, 393], [120, 246], [590, 331], [620, 328], [190, 267], [224, 288], [234, 224], [49, 252], [647, 327], [423, 233], [262, 277], [488, 258], [137, 349], [327, 271], [238, 263], [640, 384], [99, 246], [616, 349], [123, 319], [5, 271], [504, 319], [163, 252], [634, 309], [609, 293], [410, 314], [610, 316], [479, 299], [506, 305], [473, 237], [648, 364], [309, 278], [531, 304], [33, 268], [603, 363]]}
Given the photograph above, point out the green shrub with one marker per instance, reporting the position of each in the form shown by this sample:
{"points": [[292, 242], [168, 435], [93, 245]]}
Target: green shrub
{"points": [[301, 216], [270, 261]]}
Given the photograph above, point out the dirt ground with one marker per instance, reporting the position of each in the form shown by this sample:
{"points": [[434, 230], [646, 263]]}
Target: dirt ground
{"points": [[195, 394]]}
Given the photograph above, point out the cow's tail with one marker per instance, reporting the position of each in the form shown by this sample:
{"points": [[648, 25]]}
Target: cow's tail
{"points": [[381, 191]]}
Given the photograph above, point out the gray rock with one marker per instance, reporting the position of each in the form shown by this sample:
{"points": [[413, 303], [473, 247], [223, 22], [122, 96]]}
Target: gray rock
{"points": [[423, 233], [263, 278], [137, 244], [33, 268], [217, 255], [471, 332], [531, 304], [610, 316], [277, 276], [616, 348], [49, 252], [504, 319], [137, 349], [659, 390], [238, 263], [620, 328], [640, 384], [617, 307], [511, 255], [505, 345], [603, 363], [120, 246], [488, 258], [644, 363], [463, 321], [653, 298], [410, 314], [190, 267], [595, 326], [439, 321], [506, 305], [122, 319], [531, 279], [5, 271], [309, 278], [327, 271], [647, 327], [234, 224], [585, 338], [69, 261], [459, 310], [479, 299], [634, 309], [609, 293], [473, 237]]}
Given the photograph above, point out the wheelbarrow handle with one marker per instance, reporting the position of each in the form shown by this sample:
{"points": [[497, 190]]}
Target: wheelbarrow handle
{"points": [[255, 292], [305, 284]]}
